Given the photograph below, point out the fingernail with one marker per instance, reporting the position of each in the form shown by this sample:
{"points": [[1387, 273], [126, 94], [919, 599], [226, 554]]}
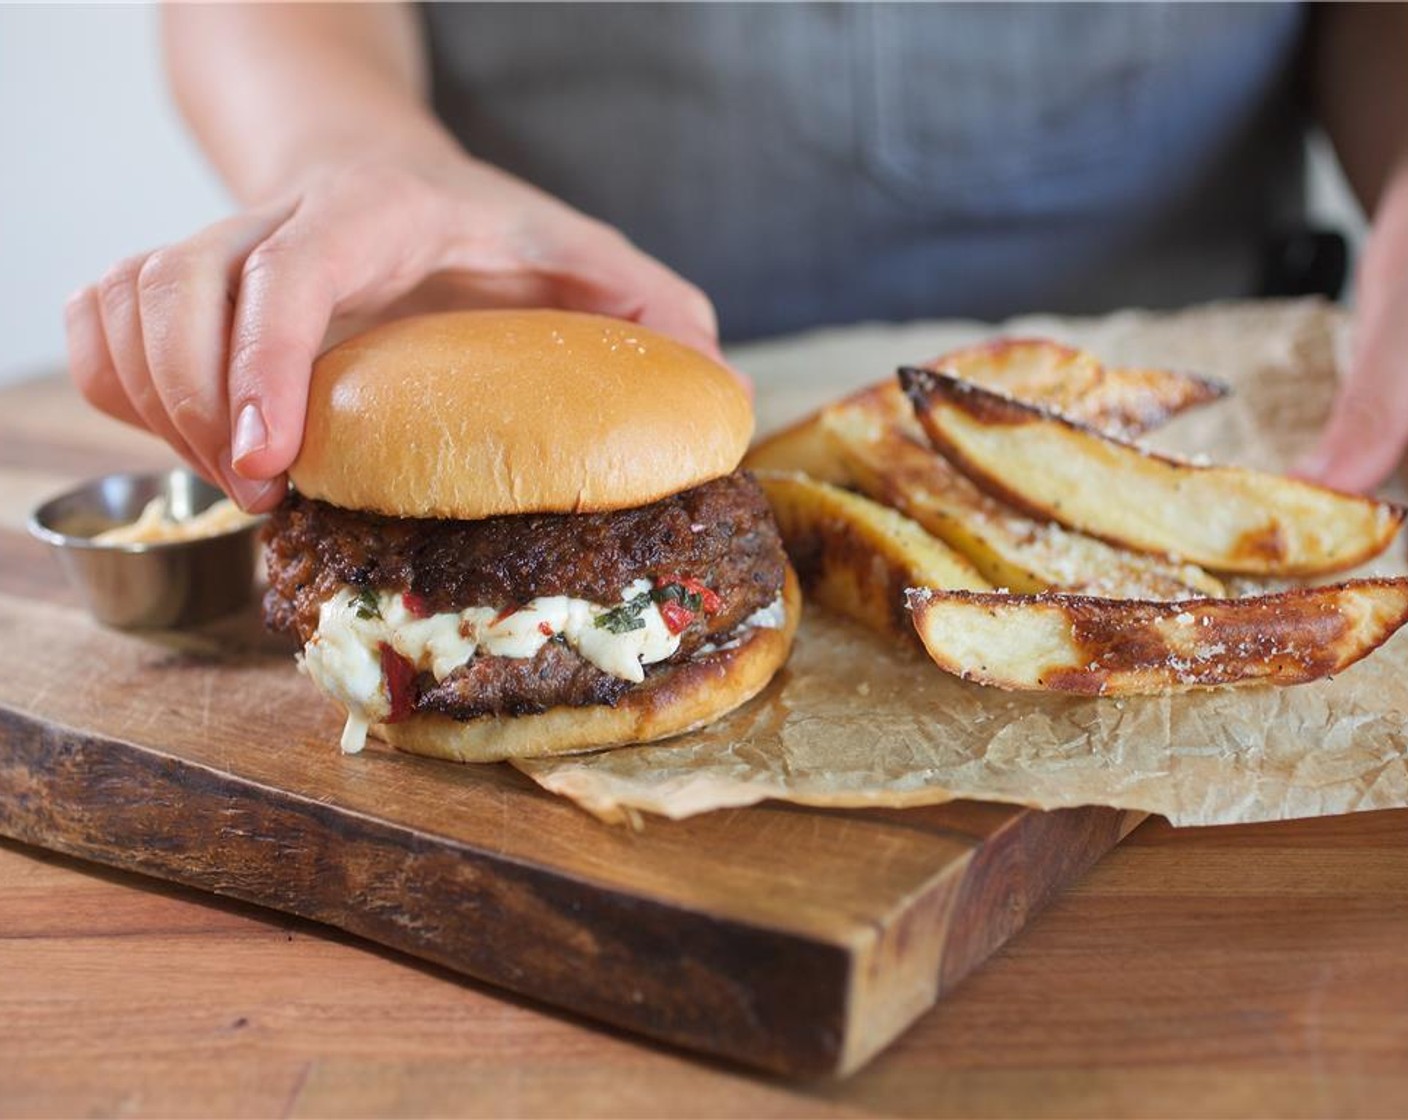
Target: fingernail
{"points": [[246, 494], [251, 435], [257, 493]]}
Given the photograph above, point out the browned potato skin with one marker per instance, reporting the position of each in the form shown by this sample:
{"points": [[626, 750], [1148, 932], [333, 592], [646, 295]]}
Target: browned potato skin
{"points": [[1119, 647], [1010, 550], [1119, 400], [1278, 518], [857, 557], [872, 441]]}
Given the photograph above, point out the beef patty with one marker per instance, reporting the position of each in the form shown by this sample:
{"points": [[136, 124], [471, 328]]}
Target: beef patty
{"points": [[721, 534]]}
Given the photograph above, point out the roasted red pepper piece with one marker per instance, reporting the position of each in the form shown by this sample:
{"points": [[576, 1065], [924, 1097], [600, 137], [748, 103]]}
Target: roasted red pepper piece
{"points": [[400, 677], [676, 616], [709, 600]]}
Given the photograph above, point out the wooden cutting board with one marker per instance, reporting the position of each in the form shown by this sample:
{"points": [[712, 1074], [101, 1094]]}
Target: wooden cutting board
{"points": [[796, 940]]}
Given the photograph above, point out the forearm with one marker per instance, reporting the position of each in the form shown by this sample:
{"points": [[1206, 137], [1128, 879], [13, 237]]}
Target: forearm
{"points": [[1360, 89], [274, 90]]}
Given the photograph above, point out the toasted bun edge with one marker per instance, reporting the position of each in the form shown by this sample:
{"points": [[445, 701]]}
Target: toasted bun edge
{"points": [[682, 698]]}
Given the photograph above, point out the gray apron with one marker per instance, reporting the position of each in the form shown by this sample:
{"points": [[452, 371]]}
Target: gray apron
{"points": [[809, 164]]}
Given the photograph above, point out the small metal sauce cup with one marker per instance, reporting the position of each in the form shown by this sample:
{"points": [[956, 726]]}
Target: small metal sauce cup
{"points": [[169, 584]]}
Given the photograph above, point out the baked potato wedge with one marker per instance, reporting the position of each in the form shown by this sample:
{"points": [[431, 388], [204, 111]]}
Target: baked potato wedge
{"points": [[1009, 550], [856, 557], [1112, 647], [1119, 400], [1226, 519]]}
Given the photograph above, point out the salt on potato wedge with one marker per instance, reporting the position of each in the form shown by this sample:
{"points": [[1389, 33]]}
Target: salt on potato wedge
{"points": [[857, 557], [1118, 647], [1120, 400], [1227, 519], [1009, 550]]}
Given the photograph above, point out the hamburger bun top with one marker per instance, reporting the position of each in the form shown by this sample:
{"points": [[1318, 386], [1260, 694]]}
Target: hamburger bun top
{"points": [[472, 414]]}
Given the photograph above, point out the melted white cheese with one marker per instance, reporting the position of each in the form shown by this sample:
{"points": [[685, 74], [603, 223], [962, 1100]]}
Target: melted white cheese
{"points": [[344, 655], [771, 617], [344, 659]]}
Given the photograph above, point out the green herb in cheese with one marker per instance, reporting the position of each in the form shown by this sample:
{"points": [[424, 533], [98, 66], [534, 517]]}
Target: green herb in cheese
{"points": [[626, 617]]}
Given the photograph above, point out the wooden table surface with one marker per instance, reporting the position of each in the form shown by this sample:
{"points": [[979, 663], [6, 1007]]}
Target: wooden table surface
{"points": [[1257, 970]]}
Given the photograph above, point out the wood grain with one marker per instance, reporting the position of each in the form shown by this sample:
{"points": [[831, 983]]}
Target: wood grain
{"points": [[1250, 971], [797, 940], [1152, 988]]}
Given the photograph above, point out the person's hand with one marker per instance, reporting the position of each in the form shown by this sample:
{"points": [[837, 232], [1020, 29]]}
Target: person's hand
{"points": [[1367, 433], [209, 342]]}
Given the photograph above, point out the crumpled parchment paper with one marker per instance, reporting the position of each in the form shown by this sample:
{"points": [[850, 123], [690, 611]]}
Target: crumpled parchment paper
{"points": [[854, 720]]}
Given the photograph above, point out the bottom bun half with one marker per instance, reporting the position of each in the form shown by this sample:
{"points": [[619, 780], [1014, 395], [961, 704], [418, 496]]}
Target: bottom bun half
{"points": [[680, 698]]}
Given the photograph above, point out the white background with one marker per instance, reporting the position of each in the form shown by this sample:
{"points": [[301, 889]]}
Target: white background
{"points": [[95, 164]]}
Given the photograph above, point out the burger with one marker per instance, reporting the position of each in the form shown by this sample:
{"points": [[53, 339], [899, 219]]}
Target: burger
{"points": [[522, 533]]}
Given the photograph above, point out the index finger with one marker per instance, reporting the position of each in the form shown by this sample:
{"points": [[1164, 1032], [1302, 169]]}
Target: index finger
{"points": [[340, 256], [285, 303]]}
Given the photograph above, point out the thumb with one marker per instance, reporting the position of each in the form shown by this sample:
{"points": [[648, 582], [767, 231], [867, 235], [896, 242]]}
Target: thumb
{"points": [[1367, 432]]}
